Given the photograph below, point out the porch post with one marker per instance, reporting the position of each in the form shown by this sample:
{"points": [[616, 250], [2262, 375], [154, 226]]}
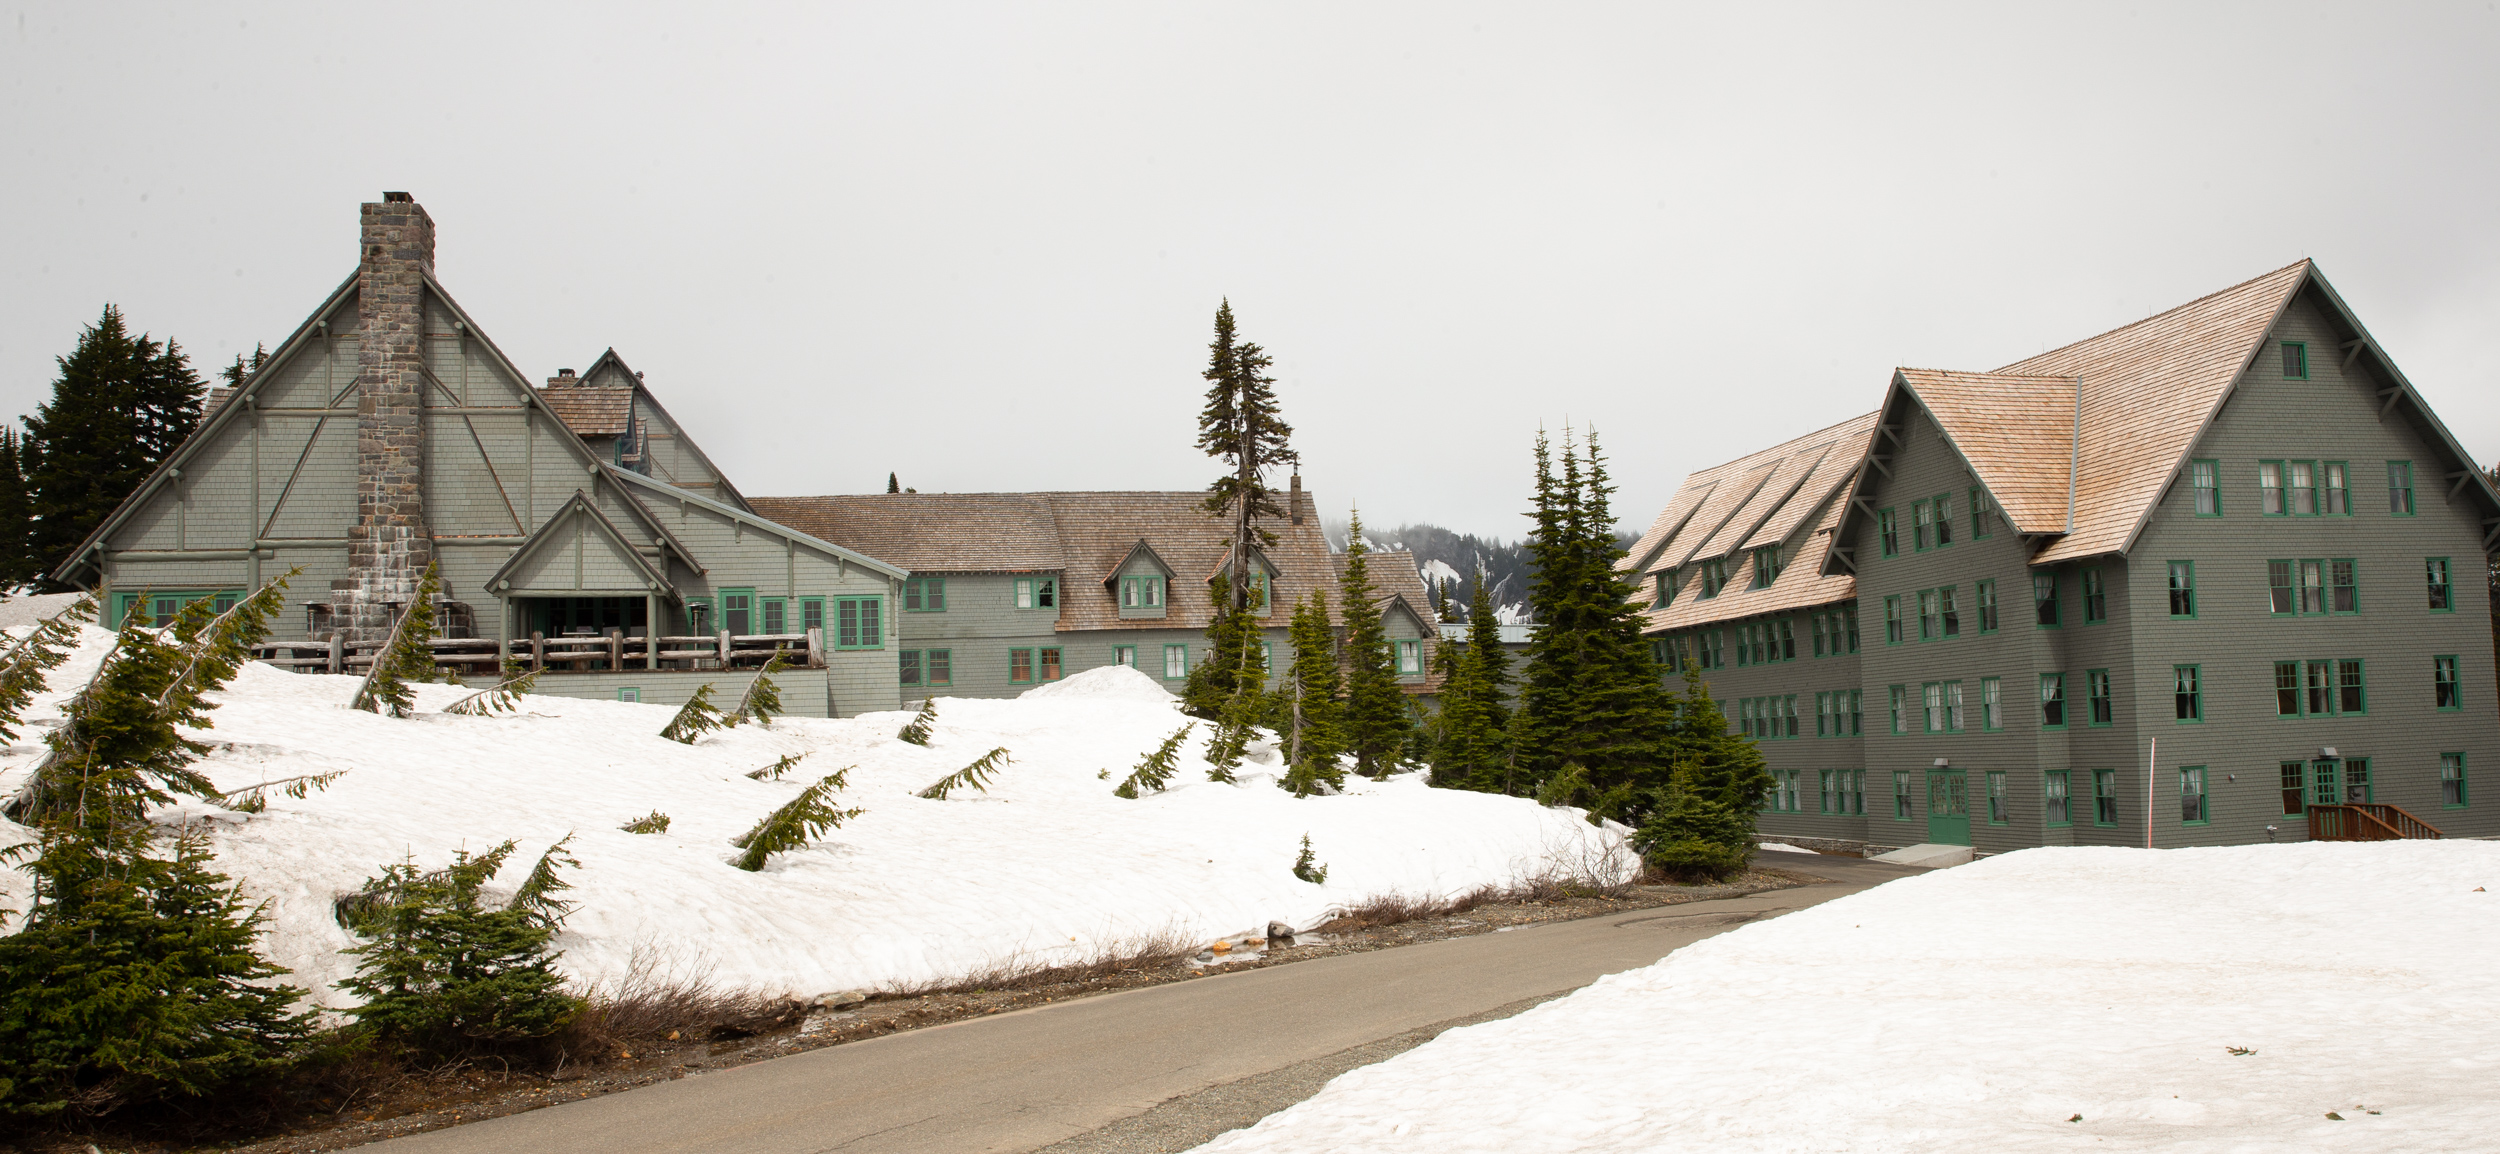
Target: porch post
{"points": [[651, 631]]}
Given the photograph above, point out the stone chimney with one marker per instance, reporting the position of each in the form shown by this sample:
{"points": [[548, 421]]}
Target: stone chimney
{"points": [[1293, 498], [390, 545]]}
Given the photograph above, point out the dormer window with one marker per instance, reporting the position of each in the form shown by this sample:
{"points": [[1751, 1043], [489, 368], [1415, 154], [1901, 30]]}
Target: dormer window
{"points": [[1713, 576], [1141, 592], [1666, 590], [1766, 566]]}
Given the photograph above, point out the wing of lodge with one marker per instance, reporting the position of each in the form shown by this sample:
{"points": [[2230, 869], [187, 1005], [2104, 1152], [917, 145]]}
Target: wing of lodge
{"points": [[2214, 577], [576, 527]]}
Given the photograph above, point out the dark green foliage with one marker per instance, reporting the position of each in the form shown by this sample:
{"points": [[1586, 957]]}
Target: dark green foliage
{"points": [[444, 973], [1569, 786], [1236, 663], [1375, 720], [1230, 741], [892, 484], [119, 406], [25, 661], [1699, 835], [20, 565], [134, 979], [1593, 696], [917, 733], [1313, 714], [537, 896], [696, 718], [1473, 750], [241, 371], [653, 822], [803, 820], [775, 771], [1306, 866], [974, 776], [254, 799], [762, 702], [503, 696], [406, 659], [1152, 774], [1243, 426]]}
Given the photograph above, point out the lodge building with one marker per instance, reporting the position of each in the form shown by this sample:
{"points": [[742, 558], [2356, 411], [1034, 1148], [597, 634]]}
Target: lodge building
{"points": [[2215, 577]]}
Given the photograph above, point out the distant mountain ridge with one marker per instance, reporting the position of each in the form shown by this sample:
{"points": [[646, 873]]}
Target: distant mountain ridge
{"points": [[1447, 555]]}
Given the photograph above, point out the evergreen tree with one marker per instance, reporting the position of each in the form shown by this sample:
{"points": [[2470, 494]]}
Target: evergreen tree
{"points": [[1312, 712], [19, 565], [1153, 773], [804, 819], [975, 776], [406, 658], [762, 702], [1243, 426], [444, 973], [1235, 666], [696, 718], [241, 371], [120, 406], [1474, 750], [917, 732], [892, 484], [1706, 831], [1593, 695], [1375, 718]]}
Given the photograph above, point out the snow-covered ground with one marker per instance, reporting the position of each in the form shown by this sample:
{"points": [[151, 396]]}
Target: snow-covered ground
{"points": [[2052, 999], [1046, 866]]}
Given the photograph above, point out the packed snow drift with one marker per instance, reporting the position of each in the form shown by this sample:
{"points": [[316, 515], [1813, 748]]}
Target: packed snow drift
{"points": [[2330, 996], [1046, 866]]}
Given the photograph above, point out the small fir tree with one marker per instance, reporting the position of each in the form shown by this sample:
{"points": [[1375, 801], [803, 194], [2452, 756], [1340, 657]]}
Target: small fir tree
{"points": [[804, 819], [25, 661], [1152, 774], [917, 733], [1306, 865], [975, 776], [255, 799], [504, 696], [892, 484], [695, 718], [762, 701], [406, 659], [1375, 718], [1474, 747], [1313, 738], [444, 973], [652, 822], [1235, 666], [20, 564]]}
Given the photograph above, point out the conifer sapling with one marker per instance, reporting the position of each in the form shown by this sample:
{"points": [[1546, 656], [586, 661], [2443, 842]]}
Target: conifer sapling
{"points": [[695, 718], [255, 799], [775, 771], [974, 776], [503, 696], [805, 818], [1307, 867], [762, 702], [917, 733], [407, 658], [1153, 773], [653, 822]]}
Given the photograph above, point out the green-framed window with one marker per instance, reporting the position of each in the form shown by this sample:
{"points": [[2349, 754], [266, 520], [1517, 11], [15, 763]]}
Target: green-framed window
{"points": [[1037, 593], [1124, 655], [1019, 667], [926, 667], [1662, 651], [1984, 593], [859, 622], [2044, 599], [1713, 577], [737, 611], [1930, 618], [1949, 612], [2400, 488], [812, 614], [2295, 360], [1410, 657], [2446, 693], [2205, 481], [1143, 592], [162, 605], [775, 614], [1714, 649], [2104, 797], [1856, 712], [2057, 798], [2335, 484], [2052, 701], [2187, 694], [2095, 598], [1849, 625], [1820, 640], [1979, 509], [1900, 701], [1766, 566], [2452, 793], [1830, 791], [1944, 520], [631, 694], [924, 595], [2294, 777], [2442, 595], [2282, 599], [2321, 687], [1665, 596], [1931, 711], [1922, 525], [2182, 588], [2270, 502], [1892, 620], [2096, 693], [1784, 639], [1953, 711], [2193, 808], [1888, 530], [1030, 666], [2000, 806], [2300, 483], [1175, 662], [1991, 704], [2313, 586], [1900, 795]]}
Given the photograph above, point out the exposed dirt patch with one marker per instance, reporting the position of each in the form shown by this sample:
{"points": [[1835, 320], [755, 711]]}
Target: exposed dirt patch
{"points": [[431, 1100]]}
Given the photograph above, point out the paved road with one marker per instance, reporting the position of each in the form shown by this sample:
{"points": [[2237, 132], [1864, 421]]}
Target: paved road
{"points": [[1155, 1069]]}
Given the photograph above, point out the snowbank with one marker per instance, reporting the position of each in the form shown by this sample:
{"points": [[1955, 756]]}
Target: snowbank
{"points": [[1983, 1008], [1046, 865]]}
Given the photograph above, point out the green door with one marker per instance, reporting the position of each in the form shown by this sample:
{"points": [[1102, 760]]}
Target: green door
{"points": [[1948, 807]]}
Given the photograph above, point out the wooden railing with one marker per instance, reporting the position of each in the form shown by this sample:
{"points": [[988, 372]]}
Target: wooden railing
{"points": [[2362, 821], [564, 653]]}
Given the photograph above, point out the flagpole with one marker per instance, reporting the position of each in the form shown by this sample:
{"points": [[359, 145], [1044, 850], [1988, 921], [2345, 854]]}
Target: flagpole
{"points": [[2152, 768]]}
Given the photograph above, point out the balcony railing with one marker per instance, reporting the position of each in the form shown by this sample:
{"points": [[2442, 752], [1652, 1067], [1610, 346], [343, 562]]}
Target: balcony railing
{"points": [[2361, 821], [564, 652]]}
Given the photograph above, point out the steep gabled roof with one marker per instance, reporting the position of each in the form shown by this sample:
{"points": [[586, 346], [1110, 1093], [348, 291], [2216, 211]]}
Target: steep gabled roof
{"points": [[2017, 434], [1753, 500], [932, 532], [591, 410], [550, 531], [1111, 572], [1802, 584], [1098, 532]]}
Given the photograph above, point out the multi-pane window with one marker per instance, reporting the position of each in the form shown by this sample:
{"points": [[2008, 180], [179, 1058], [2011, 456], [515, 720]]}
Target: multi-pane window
{"points": [[2095, 598], [1666, 589], [1849, 619], [1844, 792], [858, 623], [1949, 611], [2295, 361], [2187, 698], [1922, 525], [924, 595], [1041, 592], [2445, 693], [2044, 598], [1900, 795], [776, 615], [1991, 703], [1019, 666], [1900, 694], [1175, 662], [2104, 797], [1986, 595], [2313, 585], [1713, 576], [1831, 791], [2205, 480], [2301, 484], [2343, 586], [1889, 530], [1944, 520], [2192, 795], [2320, 688], [1766, 566], [2452, 779], [1892, 620], [1819, 640], [1979, 509], [1857, 712], [2054, 798], [928, 667], [2295, 782], [2053, 700], [2400, 488], [1931, 695], [1124, 655], [2435, 571], [2270, 488], [1930, 618], [2096, 689], [1953, 707], [1786, 629], [1141, 592], [2183, 588], [1714, 649], [2000, 809], [2337, 499], [1411, 657], [737, 611]]}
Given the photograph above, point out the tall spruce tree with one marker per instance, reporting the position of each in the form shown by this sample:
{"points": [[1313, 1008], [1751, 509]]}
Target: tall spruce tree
{"points": [[19, 565], [1308, 707], [1243, 426], [1474, 751], [1377, 724], [120, 406], [1593, 695]]}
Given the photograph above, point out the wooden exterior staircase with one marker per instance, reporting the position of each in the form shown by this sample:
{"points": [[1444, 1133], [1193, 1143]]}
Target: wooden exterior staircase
{"points": [[2367, 822]]}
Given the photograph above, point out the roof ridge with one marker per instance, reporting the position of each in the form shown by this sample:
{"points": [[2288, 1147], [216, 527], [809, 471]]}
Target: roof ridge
{"points": [[1781, 445], [2154, 317]]}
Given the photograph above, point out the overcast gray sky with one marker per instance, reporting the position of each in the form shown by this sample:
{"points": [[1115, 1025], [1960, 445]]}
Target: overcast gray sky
{"points": [[982, 246]]}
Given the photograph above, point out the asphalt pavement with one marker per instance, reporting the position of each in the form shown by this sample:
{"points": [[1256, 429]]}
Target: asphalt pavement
{"points": [[1156, 1069]]}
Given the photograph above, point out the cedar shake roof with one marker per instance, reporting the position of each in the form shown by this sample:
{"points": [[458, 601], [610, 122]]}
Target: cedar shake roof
{"points": [[931, 532], [591, 410], [2016, 432], [1801, 584], [1753, 500], [216, 399]]}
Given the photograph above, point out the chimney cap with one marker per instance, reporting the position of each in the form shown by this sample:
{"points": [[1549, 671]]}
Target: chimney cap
{"points": [[564, 372], [398, 198]]}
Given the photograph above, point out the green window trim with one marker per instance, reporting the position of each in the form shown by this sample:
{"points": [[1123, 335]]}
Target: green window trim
{"points": [[775, 614], [2044, 608], [2447, 691], [2452, 782], [2095, 597], [2099, 697], [1900, 695], [631, 694], [2322, 687], [164, 604], [2295, 360], [812, 615], [1892, 620], [1944, 520], [2205, 482], [1991, 704], [2293, 778], [1020, 666], [2000, 806], [2195, 807], [1949, 612], [2187, 694], [737, 611], [1901, 803], [2053, 713], [1888, 532], [2104, 798], [1124, 655], [859, 622], [1665, 596], [1930, 616], [2399, 488], [1978, 513], [930, 668], [2270, 499], [1922, 525], [1766, 566], [1175, 662], [2437, 577], [924, 595], [1141, 592], [2335, 488], [1410, 657], [2182, 575], [1931, 717], [1713, 577], [2057, 798], [1985, 594]]}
